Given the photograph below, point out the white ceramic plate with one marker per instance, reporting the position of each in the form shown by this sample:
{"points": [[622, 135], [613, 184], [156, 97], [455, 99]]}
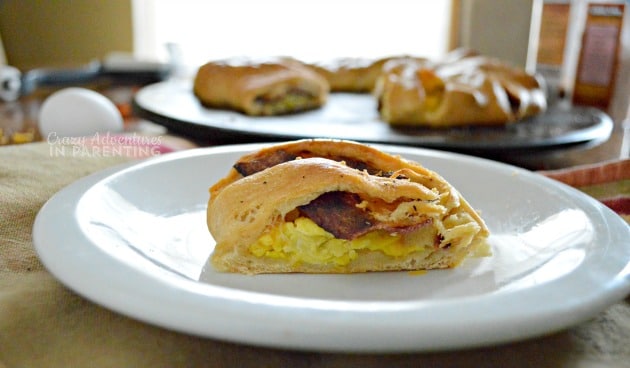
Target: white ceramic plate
{"points": [[134, 240]]}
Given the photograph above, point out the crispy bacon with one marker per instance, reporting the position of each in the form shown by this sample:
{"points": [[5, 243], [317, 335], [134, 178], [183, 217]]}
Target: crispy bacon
{"points": [[337, 213], [274, 158]]}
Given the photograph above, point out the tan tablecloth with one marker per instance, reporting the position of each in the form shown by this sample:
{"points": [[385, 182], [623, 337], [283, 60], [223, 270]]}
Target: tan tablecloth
{"points": [[43, 324]]}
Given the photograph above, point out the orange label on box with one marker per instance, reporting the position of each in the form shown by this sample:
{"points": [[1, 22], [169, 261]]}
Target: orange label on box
{"points": [[553, 33], [595, 77]]}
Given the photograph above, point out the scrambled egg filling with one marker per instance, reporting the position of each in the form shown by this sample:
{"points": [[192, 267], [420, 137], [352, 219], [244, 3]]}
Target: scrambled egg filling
{"points": [[287, 103], [304, 241]]}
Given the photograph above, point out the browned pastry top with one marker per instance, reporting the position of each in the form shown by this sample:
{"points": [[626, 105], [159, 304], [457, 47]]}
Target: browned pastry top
{"points": [[466, 90], [264, 86]]}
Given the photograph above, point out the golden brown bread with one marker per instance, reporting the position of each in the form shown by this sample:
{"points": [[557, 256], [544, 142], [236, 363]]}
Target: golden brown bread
{"points": [[260, 87], [355, 75], [461, 89], [329, 206], [464, 90]]}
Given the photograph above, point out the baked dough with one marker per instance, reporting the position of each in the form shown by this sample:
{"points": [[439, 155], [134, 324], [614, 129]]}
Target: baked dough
{"points": [[326, 206], [461, 90], [260, 87], [354, 74], [351, 74], [359, 74]]}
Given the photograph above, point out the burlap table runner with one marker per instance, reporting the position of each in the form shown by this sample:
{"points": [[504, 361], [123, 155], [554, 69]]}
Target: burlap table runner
{"points": [[43, 324]]}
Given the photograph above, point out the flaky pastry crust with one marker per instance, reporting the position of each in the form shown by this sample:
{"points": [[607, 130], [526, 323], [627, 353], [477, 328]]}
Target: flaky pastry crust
{"points": [[399, 195]]}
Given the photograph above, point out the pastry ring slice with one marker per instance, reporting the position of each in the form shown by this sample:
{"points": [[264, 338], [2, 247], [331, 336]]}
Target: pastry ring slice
{"points": [[327, 206]]}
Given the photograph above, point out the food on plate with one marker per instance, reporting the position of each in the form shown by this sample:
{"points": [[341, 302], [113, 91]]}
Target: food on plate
{"points": [[260, 87], [328, 206], [353, 74], [461, 90], [350, 74]]}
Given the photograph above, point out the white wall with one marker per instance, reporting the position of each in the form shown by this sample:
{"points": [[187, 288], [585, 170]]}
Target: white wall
{"points": [[314, 30], [499, 28]]}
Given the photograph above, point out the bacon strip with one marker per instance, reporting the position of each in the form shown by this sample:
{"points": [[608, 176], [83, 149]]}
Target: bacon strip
{"points": [[335, 212], [274, 158]]}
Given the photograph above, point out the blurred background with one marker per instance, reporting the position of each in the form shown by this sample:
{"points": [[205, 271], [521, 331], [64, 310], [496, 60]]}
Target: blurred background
{"points": [[550, 37], [65, 32]]}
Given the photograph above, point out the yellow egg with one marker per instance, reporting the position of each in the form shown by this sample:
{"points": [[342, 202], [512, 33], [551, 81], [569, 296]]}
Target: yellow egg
{"points": [[304, 241]]}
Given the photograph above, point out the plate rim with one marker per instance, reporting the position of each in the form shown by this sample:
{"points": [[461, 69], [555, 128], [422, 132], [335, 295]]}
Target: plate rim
{"points": [[488, 328]]}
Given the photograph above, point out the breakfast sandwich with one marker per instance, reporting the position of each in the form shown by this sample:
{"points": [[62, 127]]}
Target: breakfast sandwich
{"points": [[260, 87], [460, 91], [327, 206]]}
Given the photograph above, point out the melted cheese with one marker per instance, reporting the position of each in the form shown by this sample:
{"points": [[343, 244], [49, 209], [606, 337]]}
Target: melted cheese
{"points": [[304, 241]]}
